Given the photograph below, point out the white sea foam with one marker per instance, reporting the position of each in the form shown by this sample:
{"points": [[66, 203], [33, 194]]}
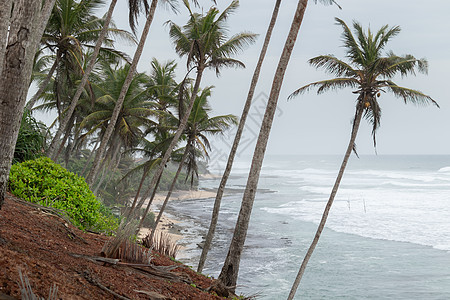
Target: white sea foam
{"points": [[444, 170]]}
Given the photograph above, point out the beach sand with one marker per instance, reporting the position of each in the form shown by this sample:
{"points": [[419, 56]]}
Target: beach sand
{"points": [[166, 224]]}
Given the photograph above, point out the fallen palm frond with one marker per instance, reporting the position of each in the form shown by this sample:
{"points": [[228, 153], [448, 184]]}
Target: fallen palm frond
{"points": [[162, 243], [27, 292], [124, 248]]}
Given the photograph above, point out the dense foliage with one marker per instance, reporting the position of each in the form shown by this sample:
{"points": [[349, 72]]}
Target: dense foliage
{"points": [[47, 183]]}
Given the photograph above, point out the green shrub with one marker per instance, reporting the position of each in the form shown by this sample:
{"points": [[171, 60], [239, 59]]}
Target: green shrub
{"points": [[47, 183]]}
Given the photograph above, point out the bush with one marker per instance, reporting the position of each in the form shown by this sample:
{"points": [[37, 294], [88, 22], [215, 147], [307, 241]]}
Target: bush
{"points": [[47, 183]]}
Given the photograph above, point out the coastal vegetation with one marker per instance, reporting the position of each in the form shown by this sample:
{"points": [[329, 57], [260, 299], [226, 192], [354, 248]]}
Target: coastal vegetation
{"points": [[119, 135]]}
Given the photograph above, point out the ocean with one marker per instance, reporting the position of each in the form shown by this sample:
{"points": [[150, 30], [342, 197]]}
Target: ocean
{"points": [[387, 236]]}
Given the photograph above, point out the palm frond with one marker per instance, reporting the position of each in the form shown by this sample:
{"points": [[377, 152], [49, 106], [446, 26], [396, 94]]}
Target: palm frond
{"points": [[326, 85], [333, 65], [410, 95]]}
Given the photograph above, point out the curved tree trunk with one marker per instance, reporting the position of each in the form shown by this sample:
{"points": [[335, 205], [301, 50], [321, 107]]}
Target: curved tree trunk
{"points": [[27, 24], [89, 158], [228, 275], [169, 193], [123, 92], [310, 251], [150, 201], [178, 133], [73, 103], [237, 138], [44, 84], [133, 205]]}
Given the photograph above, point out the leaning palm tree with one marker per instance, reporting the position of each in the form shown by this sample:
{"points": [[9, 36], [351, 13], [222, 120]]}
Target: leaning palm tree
{"points": [[369, 72], [134, 115], [204, 41], [228, 276], [237, 138], [199, 126]]}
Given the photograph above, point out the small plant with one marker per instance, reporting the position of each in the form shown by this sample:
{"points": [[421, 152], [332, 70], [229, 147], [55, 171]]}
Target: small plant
{"points": [[162, 243], [47, 183]]}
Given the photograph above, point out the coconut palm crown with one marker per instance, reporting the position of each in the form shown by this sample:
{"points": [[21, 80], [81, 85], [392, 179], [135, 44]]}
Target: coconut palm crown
{"points": [[369, 72], [204, 39]]}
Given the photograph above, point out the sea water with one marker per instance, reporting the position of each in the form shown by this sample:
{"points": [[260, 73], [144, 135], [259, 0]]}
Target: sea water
{"points": [[387, 236]]}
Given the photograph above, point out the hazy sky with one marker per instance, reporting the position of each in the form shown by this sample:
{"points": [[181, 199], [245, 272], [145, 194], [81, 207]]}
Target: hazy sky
{"points": [[311, 124]]}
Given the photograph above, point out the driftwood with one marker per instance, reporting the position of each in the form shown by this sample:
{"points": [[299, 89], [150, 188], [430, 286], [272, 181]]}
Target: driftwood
{"points": [[91, 279], [152, 295], [157, 272]]}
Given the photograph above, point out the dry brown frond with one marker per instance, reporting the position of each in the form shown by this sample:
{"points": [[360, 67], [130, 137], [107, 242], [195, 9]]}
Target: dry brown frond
{"points": [[162, 243], [124, 248]]}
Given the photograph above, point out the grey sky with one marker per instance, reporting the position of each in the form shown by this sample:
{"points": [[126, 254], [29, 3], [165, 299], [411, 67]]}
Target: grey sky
{"points": [[312, 124]]}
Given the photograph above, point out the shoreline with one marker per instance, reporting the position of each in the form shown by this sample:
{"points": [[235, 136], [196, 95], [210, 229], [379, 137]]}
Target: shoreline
{"points": [[169, 225]]}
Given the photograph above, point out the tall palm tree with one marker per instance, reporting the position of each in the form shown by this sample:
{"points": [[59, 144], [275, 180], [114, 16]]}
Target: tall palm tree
{"points": [[26, 25], [237, 138], [109, 130], [204, 41], [71, 30], [135, 9], [369, 72], [229, 273], [134, 115], [199, 126], [162, 89]]}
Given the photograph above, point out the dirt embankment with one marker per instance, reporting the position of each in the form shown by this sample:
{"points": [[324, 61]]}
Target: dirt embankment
{"points": [[52, 252]]}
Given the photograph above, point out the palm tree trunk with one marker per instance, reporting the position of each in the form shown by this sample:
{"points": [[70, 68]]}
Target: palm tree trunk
{"points": [[63, 142], [123, 92], [178, 133], [89, 158], [44, 84], [73, 104], [310, 251], [169, 193], [25, 32], [230, 269], [237, 138], [150, 201], [144, 174], [5, 18]]}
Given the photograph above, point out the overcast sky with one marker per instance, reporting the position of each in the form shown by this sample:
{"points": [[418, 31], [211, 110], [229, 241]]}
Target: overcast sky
{"points": [[311, 124]]}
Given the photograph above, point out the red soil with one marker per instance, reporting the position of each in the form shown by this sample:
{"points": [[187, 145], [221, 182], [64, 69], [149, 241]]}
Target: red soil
{"points": [[42, 244]]}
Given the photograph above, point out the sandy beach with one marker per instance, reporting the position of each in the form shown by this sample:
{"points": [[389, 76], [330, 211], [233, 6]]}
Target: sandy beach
{"points": [[166, 224]]}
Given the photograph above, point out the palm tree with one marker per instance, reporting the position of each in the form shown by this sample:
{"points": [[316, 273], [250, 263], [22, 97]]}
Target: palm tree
{"points": [[369, 73], [26, 25], [237, 138], [162, 89], [109, 130], [198, 127], [71, 30], [229, 273], [204, 41], [134, 116]]}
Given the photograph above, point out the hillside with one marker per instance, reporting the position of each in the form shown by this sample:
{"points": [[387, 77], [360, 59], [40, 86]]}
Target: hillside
{"points": [[52, 252]]}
